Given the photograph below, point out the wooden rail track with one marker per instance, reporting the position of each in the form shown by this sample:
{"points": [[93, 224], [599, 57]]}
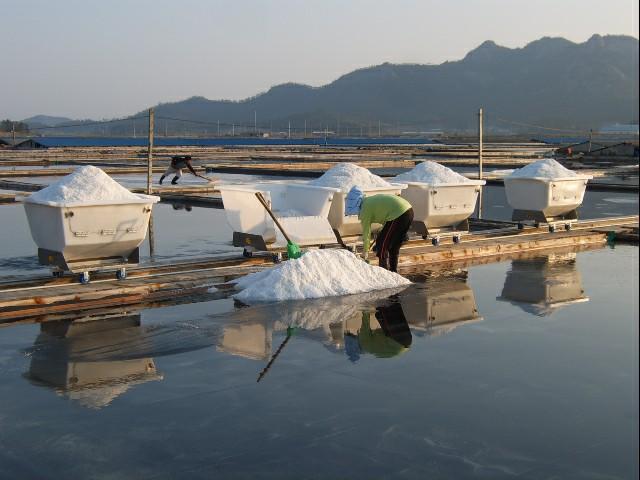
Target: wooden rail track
{"points": [[39, 298]]}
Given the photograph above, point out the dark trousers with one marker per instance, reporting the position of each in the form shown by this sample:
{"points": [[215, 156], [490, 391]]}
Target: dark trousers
{"points": [[390, 239]]}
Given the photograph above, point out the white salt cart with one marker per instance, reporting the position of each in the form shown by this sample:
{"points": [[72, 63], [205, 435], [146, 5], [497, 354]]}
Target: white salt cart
{"points": [[349, 225], [440, 208], [82, 238], [553, 201], [302, 210]]}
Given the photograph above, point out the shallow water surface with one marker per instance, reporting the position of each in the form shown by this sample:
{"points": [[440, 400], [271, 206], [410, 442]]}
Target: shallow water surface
{"points": [[526, 368]]}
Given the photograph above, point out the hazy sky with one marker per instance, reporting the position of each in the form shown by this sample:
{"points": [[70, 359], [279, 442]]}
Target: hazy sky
{"points": [[98, 59]]}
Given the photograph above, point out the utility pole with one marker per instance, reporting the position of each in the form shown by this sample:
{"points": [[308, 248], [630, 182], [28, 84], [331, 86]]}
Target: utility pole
{"points": [[305, 129], [134, 129], [590, 138], [218, 127], [255, 122], [150, 154], [480, 160], [13, 132], [289, 128], [150, 180], [233, 130]]}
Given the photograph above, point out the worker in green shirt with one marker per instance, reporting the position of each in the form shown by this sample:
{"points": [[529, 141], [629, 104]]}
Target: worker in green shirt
{"points": [[391, 211]]}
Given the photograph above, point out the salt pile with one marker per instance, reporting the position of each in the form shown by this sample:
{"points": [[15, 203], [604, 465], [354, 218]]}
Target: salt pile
{"points": [[547, 168], [87, 185], [432, 173], [318, 273], [345, 176]]}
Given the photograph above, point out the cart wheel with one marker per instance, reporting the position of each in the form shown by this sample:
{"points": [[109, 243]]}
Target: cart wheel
{"points": [[57, 273], [424, 237], [246, 253], [276, 257], [84, 278], [536, 224], [435, 241], [121, 274], [457, 238], [552, 228], [568, 226], [520, 226]]}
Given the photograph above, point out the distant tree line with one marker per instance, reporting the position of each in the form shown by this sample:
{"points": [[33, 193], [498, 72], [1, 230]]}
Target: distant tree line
{"points": [[8, 126]]}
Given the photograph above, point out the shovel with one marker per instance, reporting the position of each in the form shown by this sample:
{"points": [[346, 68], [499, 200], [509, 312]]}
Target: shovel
{"points": [[293, 250], [208, 179]]}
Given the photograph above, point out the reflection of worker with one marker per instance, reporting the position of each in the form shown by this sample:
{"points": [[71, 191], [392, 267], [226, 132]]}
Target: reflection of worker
{"points": [[181, 206], [392, 211], [177, 164], [391, 339]]}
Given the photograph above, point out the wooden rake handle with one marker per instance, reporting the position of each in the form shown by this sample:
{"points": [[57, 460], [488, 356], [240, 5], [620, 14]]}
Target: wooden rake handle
{"points": [[273, 217]]}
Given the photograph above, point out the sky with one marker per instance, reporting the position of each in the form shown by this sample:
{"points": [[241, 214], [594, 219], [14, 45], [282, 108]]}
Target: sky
{"points": [[104, 59]]}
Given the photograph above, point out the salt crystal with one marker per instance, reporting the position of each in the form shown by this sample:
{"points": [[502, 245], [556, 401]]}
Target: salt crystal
{"points": [[317, 274], [432, 173], [87, 185], [345, 176], [547, 168]]}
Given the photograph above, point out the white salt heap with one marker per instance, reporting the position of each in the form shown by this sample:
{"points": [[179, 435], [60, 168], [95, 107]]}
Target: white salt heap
{"points": [[345, 176], [318, 273], [547, 168], [432, 173], [86, 185]]}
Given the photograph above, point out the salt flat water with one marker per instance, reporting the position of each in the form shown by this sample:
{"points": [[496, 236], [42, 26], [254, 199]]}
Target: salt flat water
{"points": [[525, 368]]}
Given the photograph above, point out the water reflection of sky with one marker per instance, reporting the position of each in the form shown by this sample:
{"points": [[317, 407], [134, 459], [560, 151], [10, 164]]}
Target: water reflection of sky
{"points": [[473, 386]]}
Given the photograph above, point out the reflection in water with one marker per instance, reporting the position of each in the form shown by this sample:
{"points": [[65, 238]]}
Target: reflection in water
{"points": [[62, 358], [95, 361], [389, 338], [444, 305], [379, 323], [542, 285]]}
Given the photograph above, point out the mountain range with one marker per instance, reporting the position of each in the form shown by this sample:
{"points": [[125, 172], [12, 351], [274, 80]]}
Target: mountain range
{"points": [[551, 82]]}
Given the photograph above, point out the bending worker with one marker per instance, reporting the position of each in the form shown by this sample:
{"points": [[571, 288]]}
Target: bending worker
{"points": [[177, 164], [392, 211]]}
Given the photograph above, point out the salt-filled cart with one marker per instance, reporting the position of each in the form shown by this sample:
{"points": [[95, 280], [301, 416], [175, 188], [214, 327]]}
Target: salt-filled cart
{"points": [[442, 200], [343, 177], [87, 221], [545, 192], [301, 209]]}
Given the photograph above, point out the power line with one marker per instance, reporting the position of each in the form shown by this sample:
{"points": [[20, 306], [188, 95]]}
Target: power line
{"points": [[542, 127], [88, 124]]}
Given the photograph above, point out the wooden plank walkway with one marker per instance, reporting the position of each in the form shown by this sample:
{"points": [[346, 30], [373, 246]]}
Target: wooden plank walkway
{"points": [[39, 298]]}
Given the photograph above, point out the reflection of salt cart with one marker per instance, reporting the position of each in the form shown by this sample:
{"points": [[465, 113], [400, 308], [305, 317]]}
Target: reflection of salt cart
{"points": [[542, 285], [74, 358], [81, 238], [546, 200], [446, 305], [301, 209], [442, 207]]}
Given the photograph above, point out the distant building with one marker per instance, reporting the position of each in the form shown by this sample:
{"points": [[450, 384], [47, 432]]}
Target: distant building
{"points": [[30, 144], [598, 149]]}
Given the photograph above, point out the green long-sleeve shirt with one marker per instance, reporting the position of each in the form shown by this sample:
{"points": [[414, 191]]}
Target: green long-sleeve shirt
{"points": [[379, 209]]}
